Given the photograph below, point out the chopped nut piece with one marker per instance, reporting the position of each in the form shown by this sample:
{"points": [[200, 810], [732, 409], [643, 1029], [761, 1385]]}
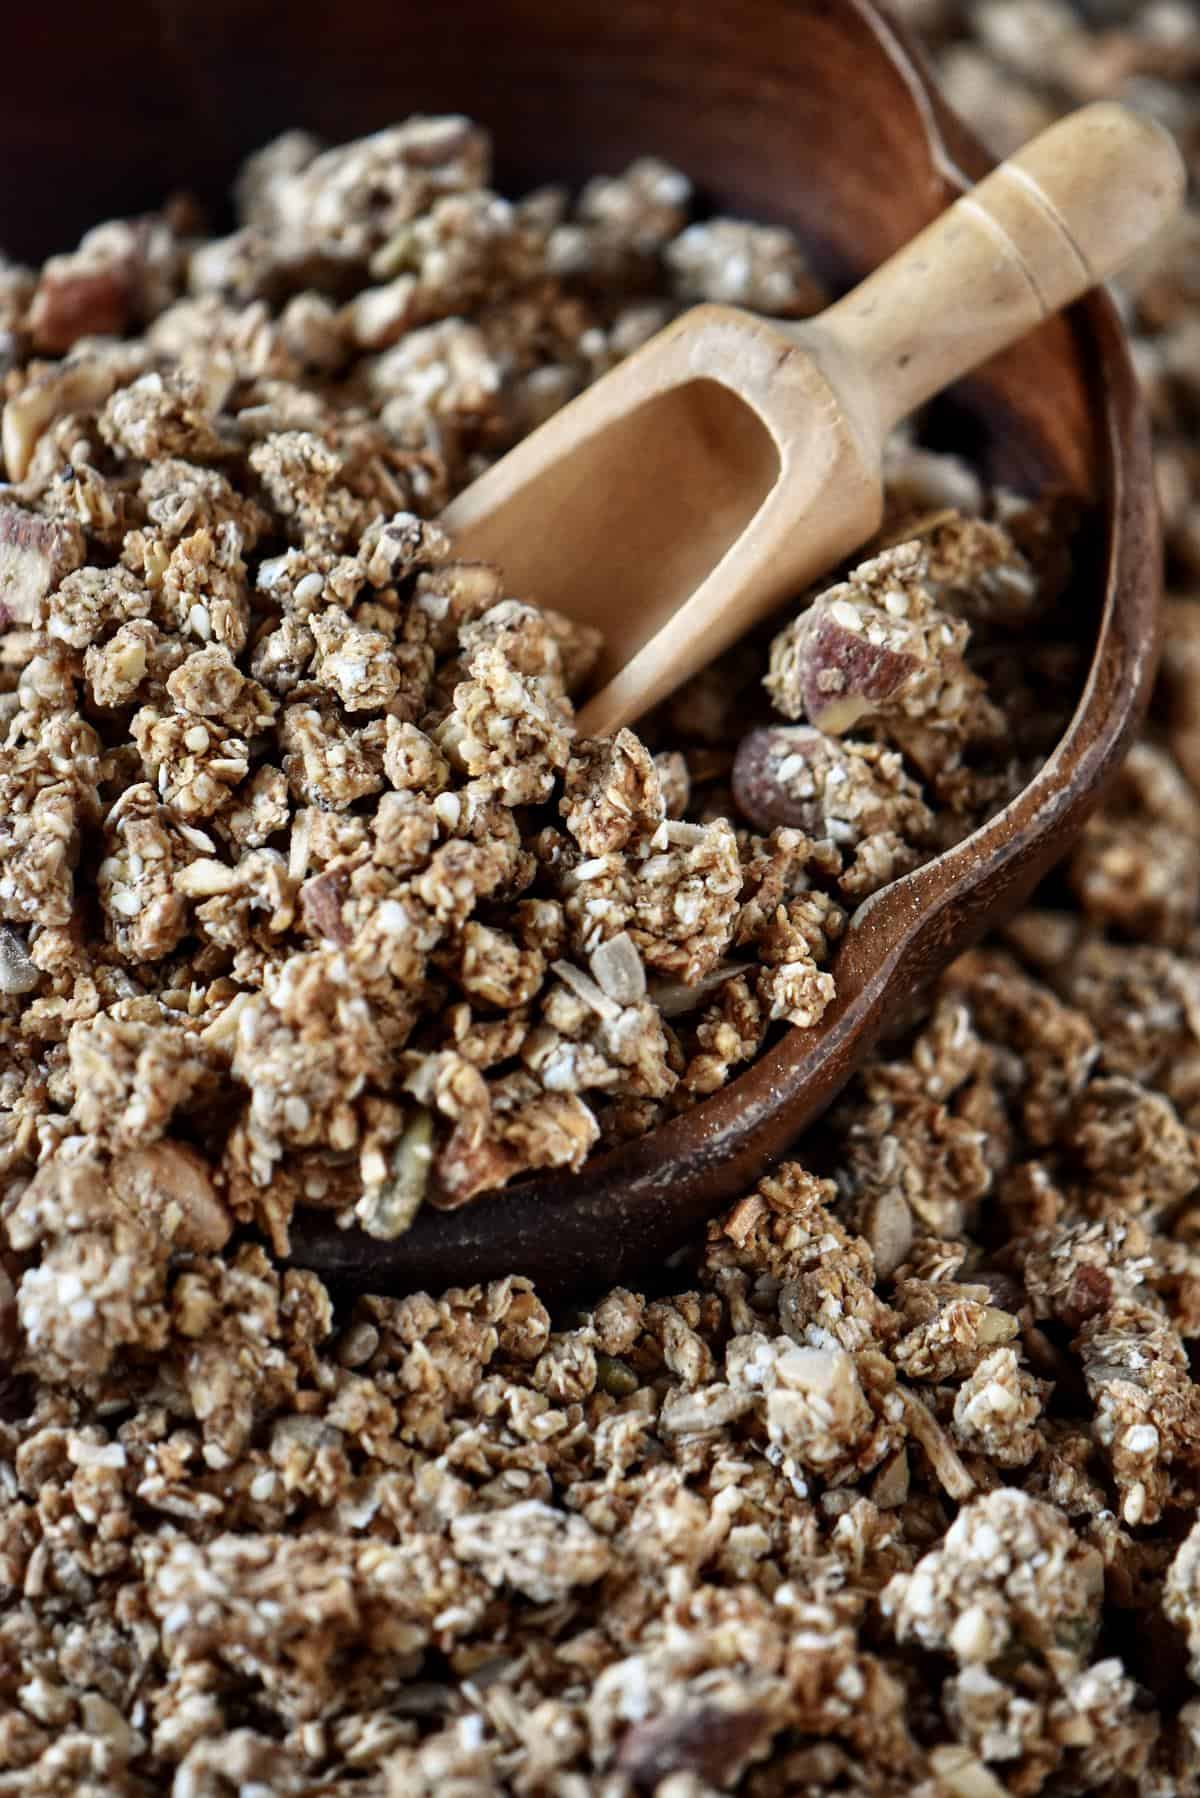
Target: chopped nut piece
{"points": [[170, 1184], [946, 1463], [618, 969], [19, 974], [963, 1775], [388, 1210], [874, 648], [35, 553], [80, 385], [73, 302], [888, 1228], [711, 1742]]}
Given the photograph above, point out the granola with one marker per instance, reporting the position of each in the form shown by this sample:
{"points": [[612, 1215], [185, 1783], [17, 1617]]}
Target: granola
{"points": [[311, 895]]}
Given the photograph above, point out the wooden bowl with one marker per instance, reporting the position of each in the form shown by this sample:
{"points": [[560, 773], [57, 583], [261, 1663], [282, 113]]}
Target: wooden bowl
{"points": [[816, 113]]}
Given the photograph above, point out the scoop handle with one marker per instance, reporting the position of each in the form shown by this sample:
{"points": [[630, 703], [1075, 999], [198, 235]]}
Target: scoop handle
{"points": [[1069, 209]]}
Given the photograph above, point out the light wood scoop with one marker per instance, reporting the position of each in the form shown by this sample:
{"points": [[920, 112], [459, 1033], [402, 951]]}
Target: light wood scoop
{"points": [[733, 459]]}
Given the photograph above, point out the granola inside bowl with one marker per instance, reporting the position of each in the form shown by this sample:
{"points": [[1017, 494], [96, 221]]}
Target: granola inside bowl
{"points": [[319, 918], [313, 897]]}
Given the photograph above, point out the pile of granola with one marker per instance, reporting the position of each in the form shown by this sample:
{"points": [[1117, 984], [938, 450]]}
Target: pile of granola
{"points": [[310, 894], [894, 1488]]}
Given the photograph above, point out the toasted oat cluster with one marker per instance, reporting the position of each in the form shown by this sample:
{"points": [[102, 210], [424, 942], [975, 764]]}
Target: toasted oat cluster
{"points": [[307, 882], [896, 1492]]}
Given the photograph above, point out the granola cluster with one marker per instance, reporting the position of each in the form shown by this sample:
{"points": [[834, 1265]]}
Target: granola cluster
{"points": [[891, 1487]]}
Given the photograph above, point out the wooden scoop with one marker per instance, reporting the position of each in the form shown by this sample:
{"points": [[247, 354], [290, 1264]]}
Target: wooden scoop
{"points": [[733, 459]]}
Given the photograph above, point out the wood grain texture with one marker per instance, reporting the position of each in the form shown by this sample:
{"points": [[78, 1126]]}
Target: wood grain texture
{"points": [[813, 112], [1065, 213]]}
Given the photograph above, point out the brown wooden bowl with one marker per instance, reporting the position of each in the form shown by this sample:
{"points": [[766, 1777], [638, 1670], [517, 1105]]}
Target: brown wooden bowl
{"points": [[816, 113]]}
